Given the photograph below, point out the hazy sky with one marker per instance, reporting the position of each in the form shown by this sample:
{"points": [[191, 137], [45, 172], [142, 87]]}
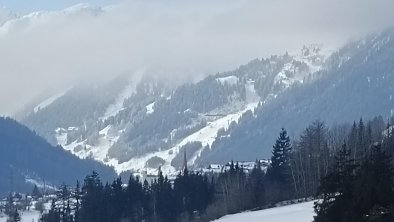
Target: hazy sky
{"points": [[26, 6], [174, 38]]}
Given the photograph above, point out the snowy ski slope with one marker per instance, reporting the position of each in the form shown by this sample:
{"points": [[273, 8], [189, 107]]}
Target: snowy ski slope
{"points": [[302, 212]]}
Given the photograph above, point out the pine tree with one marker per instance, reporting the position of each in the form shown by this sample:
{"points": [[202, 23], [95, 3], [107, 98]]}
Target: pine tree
{"points": [[374, 186], [92, 199], [77, 194], [147, 201], [365, 194], [335, 190], [256, 185], [36, 193], [14, 217], [279, 169], [53, 215], [63, 195], [134, 199], [9, 206], [117, 200], [279, 172], [361, 141]]}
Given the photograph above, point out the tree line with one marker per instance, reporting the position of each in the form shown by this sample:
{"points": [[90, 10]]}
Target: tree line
{"points": [[347, 168]]}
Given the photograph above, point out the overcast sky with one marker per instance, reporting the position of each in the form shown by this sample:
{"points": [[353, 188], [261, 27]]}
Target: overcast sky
{"points": [[174, 38], [27, 6]]}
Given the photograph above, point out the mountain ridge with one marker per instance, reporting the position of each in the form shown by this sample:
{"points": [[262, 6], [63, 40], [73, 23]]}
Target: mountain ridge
{"points": [[157, 121], [27, 159], [230, 115]]}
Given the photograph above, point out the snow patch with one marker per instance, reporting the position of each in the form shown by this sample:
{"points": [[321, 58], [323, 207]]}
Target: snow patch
{"points": [[83, 150], [302, 212], [149, 108], [61, 136], [388, 132], [39, 184], [117, 106], [294, 71], [28, 216], [230, 80], [208, 134], [251, 94], [50, 100]]}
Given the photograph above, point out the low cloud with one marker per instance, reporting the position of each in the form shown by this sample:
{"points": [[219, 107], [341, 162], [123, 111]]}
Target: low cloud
{"points": [[175, 39]]}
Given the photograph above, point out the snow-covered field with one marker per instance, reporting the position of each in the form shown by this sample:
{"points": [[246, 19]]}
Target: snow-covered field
{"points": [[302, 212], [28, 216]]}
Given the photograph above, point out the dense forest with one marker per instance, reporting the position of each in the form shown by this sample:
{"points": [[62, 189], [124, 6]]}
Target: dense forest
{"points": [[347, 169]]}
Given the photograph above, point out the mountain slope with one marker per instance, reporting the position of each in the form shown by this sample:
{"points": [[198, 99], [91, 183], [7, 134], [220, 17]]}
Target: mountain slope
{"points": [[136, 125], [6, 15], [359, 83], [26, 158], [10, 21]]}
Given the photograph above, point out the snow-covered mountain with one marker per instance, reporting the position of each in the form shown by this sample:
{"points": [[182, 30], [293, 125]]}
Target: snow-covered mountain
{"points": [[26, 160], [6, 15], [10, 21], [357, 82], [140, 125]]}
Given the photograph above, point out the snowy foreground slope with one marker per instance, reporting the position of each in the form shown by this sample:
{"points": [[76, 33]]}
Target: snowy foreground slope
{"points": [[29, 216], [302, 212]]}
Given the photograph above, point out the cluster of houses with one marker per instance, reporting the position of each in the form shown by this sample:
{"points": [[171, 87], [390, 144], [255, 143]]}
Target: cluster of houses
{"points": [[211, 169]]}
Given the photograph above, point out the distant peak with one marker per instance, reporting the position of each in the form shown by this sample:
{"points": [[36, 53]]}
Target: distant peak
{"points": [[83, 7], [6, 14]]}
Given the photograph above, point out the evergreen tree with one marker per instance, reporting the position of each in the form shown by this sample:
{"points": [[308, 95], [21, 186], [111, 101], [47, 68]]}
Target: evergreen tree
{"points": [[147, 201], [134, 199], [9, 206], [365, 194], [336, 189], [374, 186], [192, 193], [63, 195], [93, 199], [36, 193], [77, 194], [53, 215], [256, 185], [279, 172], [117, 200], [14, 217], [279, 169]]}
